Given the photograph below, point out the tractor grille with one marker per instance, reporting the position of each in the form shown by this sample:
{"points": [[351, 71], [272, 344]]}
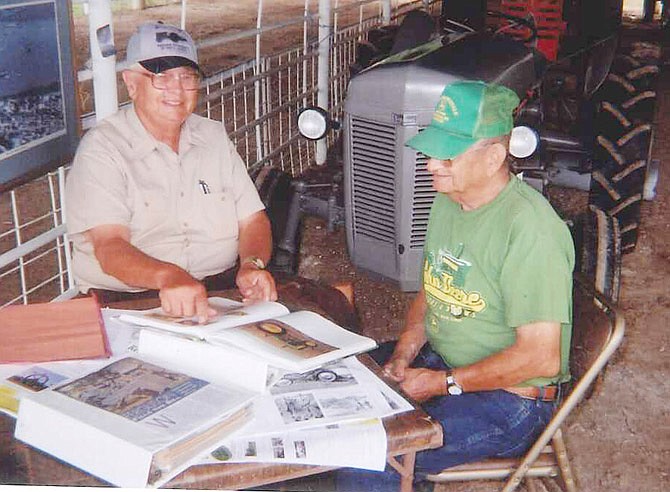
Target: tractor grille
{"points": [[423, 195], [373, 175]]}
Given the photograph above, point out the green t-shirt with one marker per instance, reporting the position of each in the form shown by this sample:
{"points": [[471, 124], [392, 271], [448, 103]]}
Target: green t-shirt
{"points": [[492, 269]]}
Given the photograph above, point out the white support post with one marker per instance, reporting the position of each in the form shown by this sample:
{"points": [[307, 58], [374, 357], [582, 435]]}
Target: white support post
{"points": [[305, 27], [183, 15], [323, 83], [386, 11], [137, 5], [257, 84], [103, 68]]}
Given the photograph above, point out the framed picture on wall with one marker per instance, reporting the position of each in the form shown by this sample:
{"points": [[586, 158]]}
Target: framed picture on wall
{"points": [[39, 127]]}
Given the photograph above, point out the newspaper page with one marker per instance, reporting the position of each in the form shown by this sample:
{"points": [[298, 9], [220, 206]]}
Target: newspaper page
{"points": [[360, 444], [344, 390]]}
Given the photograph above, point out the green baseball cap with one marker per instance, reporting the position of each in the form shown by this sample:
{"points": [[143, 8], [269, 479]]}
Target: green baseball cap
{"points": [[468, 111]]}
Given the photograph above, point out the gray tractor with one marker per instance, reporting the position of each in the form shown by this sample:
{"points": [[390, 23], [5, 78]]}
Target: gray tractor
{"points": [[585, 122]]}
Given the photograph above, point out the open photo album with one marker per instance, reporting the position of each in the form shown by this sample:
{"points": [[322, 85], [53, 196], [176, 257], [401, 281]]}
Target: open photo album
{"points": [[298, 341]]}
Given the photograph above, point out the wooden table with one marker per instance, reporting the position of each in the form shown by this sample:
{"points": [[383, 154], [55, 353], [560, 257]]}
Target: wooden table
{"points": [[406, 433]]}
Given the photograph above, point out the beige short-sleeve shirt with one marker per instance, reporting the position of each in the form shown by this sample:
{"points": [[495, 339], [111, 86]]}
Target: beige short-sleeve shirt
{"points": [[180, 208]]}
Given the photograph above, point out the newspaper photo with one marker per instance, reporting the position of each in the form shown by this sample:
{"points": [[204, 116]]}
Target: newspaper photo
{"points": [[341, 391], [359, 444]]}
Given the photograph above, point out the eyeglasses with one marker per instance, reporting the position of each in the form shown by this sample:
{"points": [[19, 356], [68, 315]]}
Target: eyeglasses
{"points": [[189, 81]]}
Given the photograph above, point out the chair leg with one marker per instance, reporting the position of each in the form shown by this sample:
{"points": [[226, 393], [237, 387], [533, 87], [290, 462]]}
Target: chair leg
{"points": [[550, 485], [531, 484], [561, 451], [405, 468]]}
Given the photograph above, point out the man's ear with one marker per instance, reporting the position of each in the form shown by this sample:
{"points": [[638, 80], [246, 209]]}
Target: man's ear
{"points": [[495, 157], [131, 83]]}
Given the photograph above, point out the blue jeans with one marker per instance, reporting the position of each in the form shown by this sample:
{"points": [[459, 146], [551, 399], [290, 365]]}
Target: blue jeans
{"points": [[477, 425]]}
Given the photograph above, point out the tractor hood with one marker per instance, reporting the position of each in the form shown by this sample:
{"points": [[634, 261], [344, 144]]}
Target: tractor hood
{"points": [[405, 88]]}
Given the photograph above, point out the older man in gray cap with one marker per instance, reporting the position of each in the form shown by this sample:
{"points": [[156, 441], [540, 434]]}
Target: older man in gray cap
{"points": [[158, 198]]}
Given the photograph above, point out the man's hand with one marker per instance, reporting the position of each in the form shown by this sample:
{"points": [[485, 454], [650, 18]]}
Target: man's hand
{"points": [[182, 295], [395, 369], [423, 384], [410, 342], [255, 284]]}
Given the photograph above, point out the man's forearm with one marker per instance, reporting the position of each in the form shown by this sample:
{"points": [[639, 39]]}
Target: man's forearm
{"points": [[255, 241], [504, 369], [413, 336], [536, 353], [180, 293], [255, 238], [122, 260]]}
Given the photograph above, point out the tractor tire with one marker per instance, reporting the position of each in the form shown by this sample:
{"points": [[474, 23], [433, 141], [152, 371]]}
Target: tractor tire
{"points": [[598, 251], [623, 138], [276, 191], [617, 180]]}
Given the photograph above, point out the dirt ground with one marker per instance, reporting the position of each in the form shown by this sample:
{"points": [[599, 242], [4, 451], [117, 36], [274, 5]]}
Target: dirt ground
{"points": [[620, 439]]}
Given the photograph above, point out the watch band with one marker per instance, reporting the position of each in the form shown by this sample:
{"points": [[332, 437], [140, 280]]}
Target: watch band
{"points": [[453, 388], [256, 261]]}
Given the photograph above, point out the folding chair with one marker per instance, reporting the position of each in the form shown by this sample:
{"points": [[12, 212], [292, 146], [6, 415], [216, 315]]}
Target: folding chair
{"points": [[598, 330]]}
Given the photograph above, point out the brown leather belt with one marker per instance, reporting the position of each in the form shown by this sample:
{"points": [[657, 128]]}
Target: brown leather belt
{"points": [[544, 393]]}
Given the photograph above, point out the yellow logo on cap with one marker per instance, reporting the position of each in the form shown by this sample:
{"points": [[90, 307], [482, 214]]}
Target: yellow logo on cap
{"points": [[445, 104]]}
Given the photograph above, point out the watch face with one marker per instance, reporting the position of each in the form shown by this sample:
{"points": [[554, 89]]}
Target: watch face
{"points": [[452, 386], [454, 390]]}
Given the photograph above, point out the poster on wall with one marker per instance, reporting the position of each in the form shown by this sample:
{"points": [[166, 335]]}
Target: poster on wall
{"points": [[38, 121]]}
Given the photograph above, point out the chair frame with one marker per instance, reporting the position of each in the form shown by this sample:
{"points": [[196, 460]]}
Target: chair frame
{"points": [[548, 457]]}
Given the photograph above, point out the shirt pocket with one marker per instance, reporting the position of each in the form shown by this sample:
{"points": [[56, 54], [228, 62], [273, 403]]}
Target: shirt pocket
{"points": [[153, 211], [216, 214]]}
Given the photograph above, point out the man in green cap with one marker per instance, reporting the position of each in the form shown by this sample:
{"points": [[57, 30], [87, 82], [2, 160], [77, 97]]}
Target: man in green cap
{"points": [[486, 340]]}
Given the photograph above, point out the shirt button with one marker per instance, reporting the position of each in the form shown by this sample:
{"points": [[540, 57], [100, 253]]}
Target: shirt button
{"points": [[182, 194], [185, 224]]}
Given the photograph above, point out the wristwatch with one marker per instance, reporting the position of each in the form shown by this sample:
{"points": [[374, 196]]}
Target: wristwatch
{"points": [[256, 261], [453, 388]]}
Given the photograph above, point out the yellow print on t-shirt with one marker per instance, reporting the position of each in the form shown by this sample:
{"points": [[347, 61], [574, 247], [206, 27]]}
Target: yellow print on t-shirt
{"points": [[443, 279]]}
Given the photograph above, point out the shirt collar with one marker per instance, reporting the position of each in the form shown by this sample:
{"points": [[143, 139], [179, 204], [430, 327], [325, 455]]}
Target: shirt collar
{"points": [[144, 142], [190, 131]]}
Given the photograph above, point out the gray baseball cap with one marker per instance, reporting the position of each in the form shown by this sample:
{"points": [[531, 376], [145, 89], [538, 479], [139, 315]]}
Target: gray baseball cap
{"points": [[159, 47]]}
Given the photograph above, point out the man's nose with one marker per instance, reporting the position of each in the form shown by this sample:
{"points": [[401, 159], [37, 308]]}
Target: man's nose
{"points": [[435, 164], [174, 82]]}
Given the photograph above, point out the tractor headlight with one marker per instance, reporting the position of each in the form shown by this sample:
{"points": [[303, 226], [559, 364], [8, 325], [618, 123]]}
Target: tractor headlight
{"points": [[314, 123], [523, 142]]}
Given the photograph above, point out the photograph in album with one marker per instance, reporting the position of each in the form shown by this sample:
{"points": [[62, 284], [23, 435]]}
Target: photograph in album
{"points": [[158, 419], [132, 388]]}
